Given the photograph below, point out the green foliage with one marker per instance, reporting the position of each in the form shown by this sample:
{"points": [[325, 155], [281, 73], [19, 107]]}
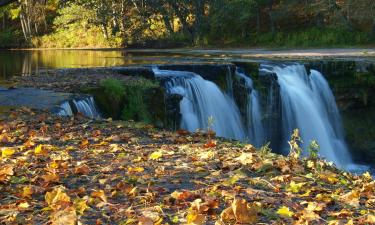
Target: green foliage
{"points": [[313, 37], [136, 108], [238, 16], [76, 26], [113, 89], [166, 23], [294, 143], [10, 38], [314, 149]]}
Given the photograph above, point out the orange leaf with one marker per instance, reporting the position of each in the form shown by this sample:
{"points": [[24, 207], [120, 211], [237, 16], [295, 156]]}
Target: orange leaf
{"points": [[210, 144], [100, 195], [82, 169]]}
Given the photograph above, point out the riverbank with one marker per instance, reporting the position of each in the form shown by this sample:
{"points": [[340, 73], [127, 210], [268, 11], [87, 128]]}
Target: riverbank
{"points": [[73, 169]]}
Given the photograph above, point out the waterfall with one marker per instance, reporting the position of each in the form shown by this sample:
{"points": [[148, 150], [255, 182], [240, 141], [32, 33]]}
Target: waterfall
{"points": [[203, 99], [308, 104], [254, 124], [85, 106]]}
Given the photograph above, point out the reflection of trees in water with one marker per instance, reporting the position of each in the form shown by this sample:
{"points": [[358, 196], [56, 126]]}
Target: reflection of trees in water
{"points": [[24, 63], [27, 65]]}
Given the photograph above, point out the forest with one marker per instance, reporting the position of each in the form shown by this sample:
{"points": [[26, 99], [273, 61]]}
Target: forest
{"points": [[184, 23]]}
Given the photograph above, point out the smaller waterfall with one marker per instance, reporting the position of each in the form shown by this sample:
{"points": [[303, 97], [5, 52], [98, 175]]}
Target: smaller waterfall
{"points": [[308, 104], [203, 99], [253, 111], [85, 106]]}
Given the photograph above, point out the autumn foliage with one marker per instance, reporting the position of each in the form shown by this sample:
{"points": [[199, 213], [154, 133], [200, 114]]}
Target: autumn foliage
{"points": [[69, 170]]}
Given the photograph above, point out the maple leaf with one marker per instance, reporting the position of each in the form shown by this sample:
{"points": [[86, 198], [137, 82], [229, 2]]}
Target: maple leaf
{"points": [[51, 178], [182, 196], [285, 212], [66, 216], [209, 144], [351, 198], [82, 169], [294, 187], [156, 155], [7, 152], [57, 199], [80, 205], [41, 150], [246, 158], [27, 191], [100, 195], [195, 218], [5, 172], [241, 212]]}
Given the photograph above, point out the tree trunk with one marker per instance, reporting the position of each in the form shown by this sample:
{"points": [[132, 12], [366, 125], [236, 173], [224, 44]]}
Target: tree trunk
{"points": [[258, 20], [270, 15], [4, 22], [168, 24], [23, 26], [198, 23]]}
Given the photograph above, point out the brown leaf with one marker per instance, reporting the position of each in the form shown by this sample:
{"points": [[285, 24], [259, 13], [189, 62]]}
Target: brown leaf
{"points": [[82, 169], [243, 213], [66, 216], [51, 178], [5, 172]]}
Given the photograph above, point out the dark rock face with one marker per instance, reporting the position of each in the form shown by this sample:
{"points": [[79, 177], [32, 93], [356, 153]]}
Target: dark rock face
{"points": [[353, 82], [33, 98]]}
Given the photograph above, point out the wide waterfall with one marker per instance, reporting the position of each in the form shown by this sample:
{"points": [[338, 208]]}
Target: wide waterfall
{"points": [[295, 99], [254, 124], [308, 104], [202, 99], [86, 106]]}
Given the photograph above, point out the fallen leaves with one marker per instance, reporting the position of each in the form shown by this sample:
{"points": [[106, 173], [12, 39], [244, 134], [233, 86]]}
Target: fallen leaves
{"points": [[241, 212], [113, 172], [156, 155], [285, 212], [6, 172], [7, 152], [57, 199], [351, 198], [41, 150]]}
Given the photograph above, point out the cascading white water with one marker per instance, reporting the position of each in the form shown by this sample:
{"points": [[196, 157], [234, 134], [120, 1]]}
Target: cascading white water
{"points": [[253, 112], [309, 105], [203, 99], [85, 106]]}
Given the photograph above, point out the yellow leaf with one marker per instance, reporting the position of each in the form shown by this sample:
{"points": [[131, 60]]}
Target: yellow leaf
{"points": [[285, 212], [194, 218], [41, 150], [27, 191], [156, 155], [80, 205], [370, 219], [24, 205], [351, 198], [57, 198], [136, 169], [294, 187], [7, 152]]}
